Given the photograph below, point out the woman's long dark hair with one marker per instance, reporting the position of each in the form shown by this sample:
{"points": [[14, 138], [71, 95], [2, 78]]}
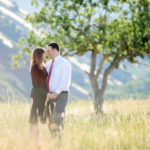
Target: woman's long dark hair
{"points": [[37, 56]]}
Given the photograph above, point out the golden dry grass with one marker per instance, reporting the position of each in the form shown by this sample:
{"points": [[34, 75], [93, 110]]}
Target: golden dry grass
{"points": [[124, 126]]}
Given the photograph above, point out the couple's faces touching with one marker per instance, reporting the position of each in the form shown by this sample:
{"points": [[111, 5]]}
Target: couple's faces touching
{"points": [[50, 52]]}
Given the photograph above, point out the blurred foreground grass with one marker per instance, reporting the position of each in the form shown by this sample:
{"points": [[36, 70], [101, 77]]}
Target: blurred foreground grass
{"points": [[124, 126]]}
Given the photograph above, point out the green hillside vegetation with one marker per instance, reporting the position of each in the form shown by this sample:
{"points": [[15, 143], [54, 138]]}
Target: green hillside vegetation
{"points": [[136, 89], [10, 87]]}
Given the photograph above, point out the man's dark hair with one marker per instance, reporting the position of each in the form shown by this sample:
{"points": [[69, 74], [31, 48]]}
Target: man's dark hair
{"points": [[54, 45]]}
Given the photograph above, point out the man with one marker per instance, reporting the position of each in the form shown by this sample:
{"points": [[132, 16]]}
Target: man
{"points": [[58, 83]]}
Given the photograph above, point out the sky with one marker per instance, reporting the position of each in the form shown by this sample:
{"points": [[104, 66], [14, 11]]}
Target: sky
{"points": [[25, 4]]}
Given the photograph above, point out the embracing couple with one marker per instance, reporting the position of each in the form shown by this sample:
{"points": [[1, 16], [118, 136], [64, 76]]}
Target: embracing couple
{"points": [[49, 94]]}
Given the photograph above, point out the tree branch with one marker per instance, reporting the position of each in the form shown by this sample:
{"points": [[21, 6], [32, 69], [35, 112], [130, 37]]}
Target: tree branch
{"points": [[87, 73], [93, 60], [69, 54], [105, 56], [110, 68], [77, 52], [100, 67], [78, 29]]}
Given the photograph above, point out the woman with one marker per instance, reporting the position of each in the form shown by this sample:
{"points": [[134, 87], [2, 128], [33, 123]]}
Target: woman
{"points": [[39, 90]]}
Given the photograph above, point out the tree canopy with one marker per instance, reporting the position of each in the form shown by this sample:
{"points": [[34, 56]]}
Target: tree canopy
{"points": [[115, 30]]}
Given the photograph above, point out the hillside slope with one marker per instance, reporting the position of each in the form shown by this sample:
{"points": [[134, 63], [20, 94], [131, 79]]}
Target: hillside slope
{"points": [[18, 81]]}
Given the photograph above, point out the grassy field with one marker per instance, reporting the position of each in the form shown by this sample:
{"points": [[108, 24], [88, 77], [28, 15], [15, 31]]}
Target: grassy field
{"points": [[124, 126]]}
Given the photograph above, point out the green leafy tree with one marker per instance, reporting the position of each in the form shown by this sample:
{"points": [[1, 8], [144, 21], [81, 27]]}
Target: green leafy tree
{"points": [[111, 31]]}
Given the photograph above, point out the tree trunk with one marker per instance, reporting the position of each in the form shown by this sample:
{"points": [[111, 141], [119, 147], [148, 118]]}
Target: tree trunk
{"points": [[98, 102], [99, 92]]}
